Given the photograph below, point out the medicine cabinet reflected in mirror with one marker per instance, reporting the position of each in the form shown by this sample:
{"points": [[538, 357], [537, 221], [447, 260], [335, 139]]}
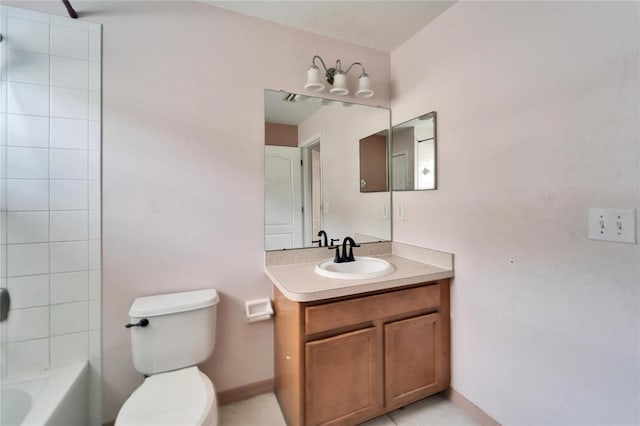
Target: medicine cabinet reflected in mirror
{"points": [[413, 154], [374, 162], [312, 178]]}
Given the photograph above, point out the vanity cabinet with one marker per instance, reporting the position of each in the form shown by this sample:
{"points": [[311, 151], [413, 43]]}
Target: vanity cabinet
{"points": [[344, 361]]}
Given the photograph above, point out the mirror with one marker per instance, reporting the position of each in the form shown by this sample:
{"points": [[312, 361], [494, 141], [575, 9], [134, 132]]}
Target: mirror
{"points": [[312, 179], [374, 162], [413, 154]]}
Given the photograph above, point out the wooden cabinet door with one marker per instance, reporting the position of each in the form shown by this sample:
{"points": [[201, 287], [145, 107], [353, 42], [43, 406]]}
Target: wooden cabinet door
{"points": [[343, 382], [413, 359]]}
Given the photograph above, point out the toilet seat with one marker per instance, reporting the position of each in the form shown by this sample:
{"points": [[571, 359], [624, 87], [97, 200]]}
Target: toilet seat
{"points": [[180, 397]]}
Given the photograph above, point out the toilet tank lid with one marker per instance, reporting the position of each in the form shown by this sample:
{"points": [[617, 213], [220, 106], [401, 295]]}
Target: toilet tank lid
{"points": [[164, 304]]}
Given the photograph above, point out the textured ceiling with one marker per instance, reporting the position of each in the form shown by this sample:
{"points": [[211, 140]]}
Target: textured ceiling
{"points": [[382, 25]]}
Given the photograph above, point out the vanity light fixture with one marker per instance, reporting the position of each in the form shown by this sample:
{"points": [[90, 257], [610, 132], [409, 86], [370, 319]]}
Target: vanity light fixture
{"points": [[337, 78]]}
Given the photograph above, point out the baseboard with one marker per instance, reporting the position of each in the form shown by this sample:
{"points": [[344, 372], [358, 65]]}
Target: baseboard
{"points": [[244, 392], [470, 408]]}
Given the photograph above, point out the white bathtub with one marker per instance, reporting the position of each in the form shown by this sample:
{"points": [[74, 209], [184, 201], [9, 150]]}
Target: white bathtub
{"points": [[56, 397]]}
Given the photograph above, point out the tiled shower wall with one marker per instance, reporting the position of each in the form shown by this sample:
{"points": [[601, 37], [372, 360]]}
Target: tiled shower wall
{"points": [[50, 114]]}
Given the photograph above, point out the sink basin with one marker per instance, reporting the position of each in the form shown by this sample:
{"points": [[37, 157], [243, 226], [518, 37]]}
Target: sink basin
{"points": [[361, 269]]}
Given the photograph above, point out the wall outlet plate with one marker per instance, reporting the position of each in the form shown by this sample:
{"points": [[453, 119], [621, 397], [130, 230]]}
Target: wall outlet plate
{"points": [[618, 225]]}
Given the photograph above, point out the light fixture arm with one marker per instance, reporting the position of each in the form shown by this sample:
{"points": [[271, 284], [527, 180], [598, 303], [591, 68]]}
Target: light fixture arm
{"points": [[331, 72], [337, 78], [352, 65]]}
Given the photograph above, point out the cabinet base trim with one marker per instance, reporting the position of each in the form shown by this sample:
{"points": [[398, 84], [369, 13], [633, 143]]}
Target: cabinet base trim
{"points": [[470, 408], [244, 392]]}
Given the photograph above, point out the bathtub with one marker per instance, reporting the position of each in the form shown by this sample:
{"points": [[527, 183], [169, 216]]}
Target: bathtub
{"points": [[57, 396]]}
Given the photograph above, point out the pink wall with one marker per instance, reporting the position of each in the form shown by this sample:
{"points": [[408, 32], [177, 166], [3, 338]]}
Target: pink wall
{"points": [[538, 120], [182, 188]]}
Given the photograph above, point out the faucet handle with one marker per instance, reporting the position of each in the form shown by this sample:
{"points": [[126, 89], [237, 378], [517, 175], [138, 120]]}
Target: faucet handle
{"points": [[337, 258], [316, 241], [334, 240]]}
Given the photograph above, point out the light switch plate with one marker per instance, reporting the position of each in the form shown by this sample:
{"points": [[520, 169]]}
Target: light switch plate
{"points": [[618, 225]]}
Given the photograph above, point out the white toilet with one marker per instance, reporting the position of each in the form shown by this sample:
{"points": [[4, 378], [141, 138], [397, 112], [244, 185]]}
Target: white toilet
{"points": [[170, 334]]}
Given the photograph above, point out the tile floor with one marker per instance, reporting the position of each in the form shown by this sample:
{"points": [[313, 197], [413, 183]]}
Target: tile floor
{"points": [[263, 410]]}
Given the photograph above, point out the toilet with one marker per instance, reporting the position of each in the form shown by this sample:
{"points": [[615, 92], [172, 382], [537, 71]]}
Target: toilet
{"points": [[170, 335]]}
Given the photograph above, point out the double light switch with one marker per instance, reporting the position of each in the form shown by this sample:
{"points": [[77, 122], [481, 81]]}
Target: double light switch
{"points": [[618, 225]]}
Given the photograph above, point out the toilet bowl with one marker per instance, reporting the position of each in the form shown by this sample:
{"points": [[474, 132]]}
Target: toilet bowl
{"points": [[170, 335], [181, 397]]}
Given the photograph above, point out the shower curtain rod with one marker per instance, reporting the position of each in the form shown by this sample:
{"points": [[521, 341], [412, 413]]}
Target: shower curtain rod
{"points": [[72, 13]]}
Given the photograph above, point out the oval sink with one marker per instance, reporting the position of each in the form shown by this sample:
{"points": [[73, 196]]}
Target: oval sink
{"points": [[361, 269]]}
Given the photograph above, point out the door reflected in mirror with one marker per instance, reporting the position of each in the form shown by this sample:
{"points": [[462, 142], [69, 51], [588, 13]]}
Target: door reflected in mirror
{"points": [[374, 163], [413, 154], [312, 172]]}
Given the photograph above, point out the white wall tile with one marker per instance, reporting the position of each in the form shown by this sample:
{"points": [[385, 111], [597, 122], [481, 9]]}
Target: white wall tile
{"points": [[3, 264], [3, 161], [3, 125], [27, 259], [94, 106], [69, 103], [27, 99], [30, 355], [95, 284], [95, 45], [27, 163], [95, 369], [94, 165], [68, 133], [69, 348], [70, 318], [28, 131], [94, 135], [95, 346], [27, 195], [94, 195], [95, 318], [27, 67], [27, 324], [3, 59], [69, 256], [27, 227], [3, 194], [70, 73], [69, 225], [29, 291], [69, 42], [69, 22], [26, 34], [32, 15], [69, 164], [69, 195], [69, 287], [95, 260], [94, 224], [3, 227], [95, 76], [3, 96]]}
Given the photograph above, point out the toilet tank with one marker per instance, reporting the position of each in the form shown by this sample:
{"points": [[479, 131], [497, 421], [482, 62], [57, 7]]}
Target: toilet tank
{"points": [[181, 331]]}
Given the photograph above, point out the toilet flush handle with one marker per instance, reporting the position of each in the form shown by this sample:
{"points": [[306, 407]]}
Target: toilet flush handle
{"points": [[142, 323]]}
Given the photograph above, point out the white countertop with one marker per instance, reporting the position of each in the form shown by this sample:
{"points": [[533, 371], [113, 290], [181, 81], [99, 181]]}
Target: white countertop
{"points": [[299, 283]]}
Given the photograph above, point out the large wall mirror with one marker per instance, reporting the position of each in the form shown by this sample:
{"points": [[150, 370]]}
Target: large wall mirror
{"points": [[312, 172], [413, 154]]}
